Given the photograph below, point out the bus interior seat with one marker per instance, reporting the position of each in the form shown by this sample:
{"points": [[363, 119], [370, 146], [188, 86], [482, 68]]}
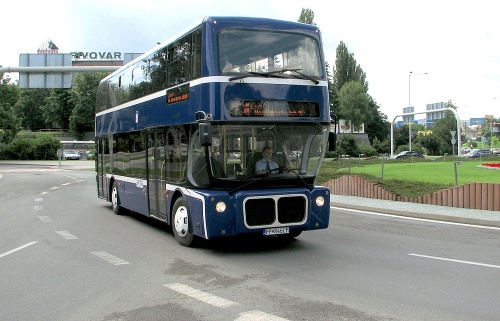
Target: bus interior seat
{"points": [[279, 158], [252, 159]]}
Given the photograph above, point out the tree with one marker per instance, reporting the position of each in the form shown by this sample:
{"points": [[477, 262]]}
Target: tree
{"points": [[58, 108], [347, 69], [10, 125], [430, 142], [354, 104], [307, 16], [29, 108], [83, 94], [377, 126], [443, 127]]}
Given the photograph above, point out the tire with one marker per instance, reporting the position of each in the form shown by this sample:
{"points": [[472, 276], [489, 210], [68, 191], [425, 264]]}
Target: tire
{"points": [[115, 200], [181, 224]]}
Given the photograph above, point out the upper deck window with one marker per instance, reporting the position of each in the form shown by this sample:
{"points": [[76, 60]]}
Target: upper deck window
{"points": [[243, 51]]}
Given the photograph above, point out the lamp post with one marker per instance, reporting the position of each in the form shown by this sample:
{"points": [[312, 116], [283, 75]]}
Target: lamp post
{"points": [[409, 103], [491, 136]]}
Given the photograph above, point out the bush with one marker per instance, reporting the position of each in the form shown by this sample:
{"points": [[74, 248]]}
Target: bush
{"points": [[19, 149], [42, 148], [45, 147], [367, 150]]}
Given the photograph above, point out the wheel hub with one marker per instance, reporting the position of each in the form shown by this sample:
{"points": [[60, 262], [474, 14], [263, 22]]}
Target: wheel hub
{"points": [[181, 221]]}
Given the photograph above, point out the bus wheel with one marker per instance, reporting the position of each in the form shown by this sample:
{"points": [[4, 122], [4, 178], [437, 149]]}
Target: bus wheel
{"points": [[115, 201], [180, 223]]}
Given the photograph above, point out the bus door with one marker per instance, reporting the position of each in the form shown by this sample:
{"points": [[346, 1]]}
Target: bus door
{"points": [[156, 174], [101, 150]]}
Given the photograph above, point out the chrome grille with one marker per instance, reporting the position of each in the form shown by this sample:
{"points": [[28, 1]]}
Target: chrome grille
{"points": [[275, 210]]}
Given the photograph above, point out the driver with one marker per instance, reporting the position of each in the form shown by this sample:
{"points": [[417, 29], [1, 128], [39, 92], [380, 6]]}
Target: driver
{"points": [[265, 165]]}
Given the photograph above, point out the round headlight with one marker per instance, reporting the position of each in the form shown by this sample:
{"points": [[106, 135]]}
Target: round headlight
{"points": [[320, 200], [220, 207]]}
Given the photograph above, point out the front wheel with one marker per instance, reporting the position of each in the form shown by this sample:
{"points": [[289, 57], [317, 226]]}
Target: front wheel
{"points": [[115, 200], [180, 223]]}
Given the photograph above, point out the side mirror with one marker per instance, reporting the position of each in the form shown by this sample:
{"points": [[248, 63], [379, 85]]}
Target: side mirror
{"points": [[332, 141], [205, 134]]}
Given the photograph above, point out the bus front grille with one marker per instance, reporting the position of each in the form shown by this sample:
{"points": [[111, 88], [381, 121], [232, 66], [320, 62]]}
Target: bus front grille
{"points": [[275, 211]]}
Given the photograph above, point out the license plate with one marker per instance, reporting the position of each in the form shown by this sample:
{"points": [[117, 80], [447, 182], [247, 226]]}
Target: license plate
{"points": [[277, 230]]}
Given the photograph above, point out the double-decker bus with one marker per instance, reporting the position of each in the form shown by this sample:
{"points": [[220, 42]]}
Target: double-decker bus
{"points": [[180, 129]]}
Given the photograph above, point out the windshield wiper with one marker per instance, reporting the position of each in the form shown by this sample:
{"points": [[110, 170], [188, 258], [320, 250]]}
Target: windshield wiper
{"points": [[254, 73], [275, 73], [302, 74], [258, 177]]}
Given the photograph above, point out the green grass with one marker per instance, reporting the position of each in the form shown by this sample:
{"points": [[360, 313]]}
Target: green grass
{"points": [[417, 178]]}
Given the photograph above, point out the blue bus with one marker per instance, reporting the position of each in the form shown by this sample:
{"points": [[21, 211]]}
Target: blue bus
{"points": [[179, 130]]}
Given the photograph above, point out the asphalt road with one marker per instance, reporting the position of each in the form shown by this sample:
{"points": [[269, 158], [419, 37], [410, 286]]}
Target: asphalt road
{"points": [[64, 255]]}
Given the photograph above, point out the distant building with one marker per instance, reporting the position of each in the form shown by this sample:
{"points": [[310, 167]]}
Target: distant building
{"points": [[49, 55]]}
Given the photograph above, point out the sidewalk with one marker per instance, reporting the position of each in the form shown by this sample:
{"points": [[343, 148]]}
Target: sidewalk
{"points": [[424, 211], [64, 164]]}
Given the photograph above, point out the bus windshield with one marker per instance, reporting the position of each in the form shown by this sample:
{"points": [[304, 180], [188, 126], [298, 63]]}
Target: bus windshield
{"points": [[296, 150], [257, 51]]}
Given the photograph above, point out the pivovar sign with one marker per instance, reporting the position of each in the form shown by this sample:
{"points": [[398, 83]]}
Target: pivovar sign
{"points": [[96, 55]]}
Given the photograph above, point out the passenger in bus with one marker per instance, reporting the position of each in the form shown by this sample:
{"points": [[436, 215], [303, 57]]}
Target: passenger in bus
{"points": [[266, 164]]}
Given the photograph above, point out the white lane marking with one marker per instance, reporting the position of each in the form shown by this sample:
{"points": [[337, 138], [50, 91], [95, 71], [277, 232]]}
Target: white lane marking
{"points": [[65, 184], [109, 258], [18, 248], [44, 193], [45, 219], [258, 316], [38, 208], [200, 295], [416, 218], [55, 187], [456, 261], [40, 199], [67, 235], [72, 177]]}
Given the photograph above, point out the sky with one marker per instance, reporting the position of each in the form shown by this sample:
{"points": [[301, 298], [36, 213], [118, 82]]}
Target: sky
{"points": [[451, 48]]}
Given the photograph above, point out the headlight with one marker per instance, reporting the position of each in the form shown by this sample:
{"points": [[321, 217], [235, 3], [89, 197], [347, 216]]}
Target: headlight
{"points": [[320, 200], [220, 207]]}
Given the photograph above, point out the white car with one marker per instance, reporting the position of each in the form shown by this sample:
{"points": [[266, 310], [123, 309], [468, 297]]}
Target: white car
{"points": [[71, 154]]}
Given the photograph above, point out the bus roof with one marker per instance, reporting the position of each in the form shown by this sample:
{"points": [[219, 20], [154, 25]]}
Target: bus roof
{"points": [[242, 21]]}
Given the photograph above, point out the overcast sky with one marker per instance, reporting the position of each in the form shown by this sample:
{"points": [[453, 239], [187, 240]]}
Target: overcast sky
{"points": [[457, 43]]}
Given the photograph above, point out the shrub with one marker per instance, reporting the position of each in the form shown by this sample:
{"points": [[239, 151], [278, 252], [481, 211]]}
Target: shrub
{"points": [[19, 149], [367, 150], [42, 148], [45, 147]]}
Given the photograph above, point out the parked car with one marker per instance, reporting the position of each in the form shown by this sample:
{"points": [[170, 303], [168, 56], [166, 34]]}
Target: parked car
{"points": [[478, 152], [495, 151], [408, 153], [71, 154]]}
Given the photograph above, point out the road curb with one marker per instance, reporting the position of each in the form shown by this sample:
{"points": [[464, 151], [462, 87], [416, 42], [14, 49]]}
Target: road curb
{"points": [[420, 215]]}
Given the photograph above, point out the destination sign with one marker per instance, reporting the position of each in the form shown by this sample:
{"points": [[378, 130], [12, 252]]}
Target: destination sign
{"points": [[177, 94], [246, 108]]}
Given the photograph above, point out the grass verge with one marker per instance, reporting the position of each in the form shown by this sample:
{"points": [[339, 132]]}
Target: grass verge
{"points": [[412, 178]]}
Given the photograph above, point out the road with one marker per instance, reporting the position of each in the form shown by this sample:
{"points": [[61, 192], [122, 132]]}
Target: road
{"points": [[64, 255]]}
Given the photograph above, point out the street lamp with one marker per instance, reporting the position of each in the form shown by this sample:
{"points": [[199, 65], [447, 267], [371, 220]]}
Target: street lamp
{"points": [[409, 102], [491, 136]]}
